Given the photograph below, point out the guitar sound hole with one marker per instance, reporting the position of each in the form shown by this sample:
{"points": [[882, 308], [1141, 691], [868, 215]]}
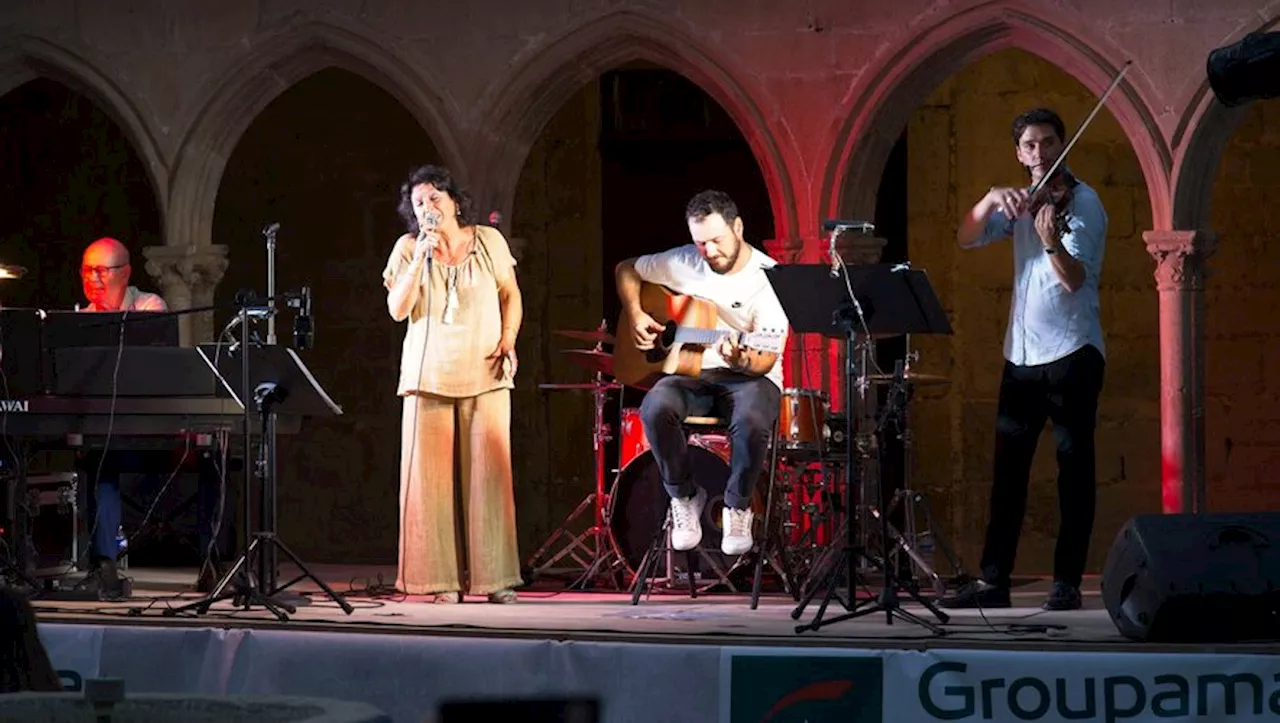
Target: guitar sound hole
{"points": [[667, 337]]}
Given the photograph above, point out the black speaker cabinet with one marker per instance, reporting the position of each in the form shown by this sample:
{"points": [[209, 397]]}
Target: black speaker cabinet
{"points": [[1195, 578]]}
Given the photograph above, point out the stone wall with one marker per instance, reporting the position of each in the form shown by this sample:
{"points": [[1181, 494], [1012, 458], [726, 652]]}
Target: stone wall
{"points": [[1242, 424]]}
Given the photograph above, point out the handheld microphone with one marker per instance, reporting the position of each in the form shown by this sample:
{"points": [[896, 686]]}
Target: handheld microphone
{"points": [[429, 224]]}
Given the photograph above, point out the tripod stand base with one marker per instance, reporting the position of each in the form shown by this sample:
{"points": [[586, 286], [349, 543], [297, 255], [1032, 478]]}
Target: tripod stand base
{"points": [[888, 601], [247, 592]]}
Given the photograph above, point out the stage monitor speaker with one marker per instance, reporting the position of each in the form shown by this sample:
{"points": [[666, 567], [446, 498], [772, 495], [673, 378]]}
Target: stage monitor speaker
{"points": [[1246, 70], [1195, 578]]}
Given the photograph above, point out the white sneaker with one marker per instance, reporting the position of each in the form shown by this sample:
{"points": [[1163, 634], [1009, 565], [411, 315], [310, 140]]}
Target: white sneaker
{"points": [[686, 520], [737, 530]]}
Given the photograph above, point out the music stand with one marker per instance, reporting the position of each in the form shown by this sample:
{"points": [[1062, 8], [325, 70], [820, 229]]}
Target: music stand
{"points": [[887, 300], [273, 381]]}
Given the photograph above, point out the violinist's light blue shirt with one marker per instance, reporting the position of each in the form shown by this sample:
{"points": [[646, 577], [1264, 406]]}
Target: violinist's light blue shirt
{"points": [[1046, 321]]}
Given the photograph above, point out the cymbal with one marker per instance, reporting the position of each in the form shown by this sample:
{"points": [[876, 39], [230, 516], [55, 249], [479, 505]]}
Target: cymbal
{"points": [[592, 336], [913, 377], [588, 385], [9, 271], [591, 360]]}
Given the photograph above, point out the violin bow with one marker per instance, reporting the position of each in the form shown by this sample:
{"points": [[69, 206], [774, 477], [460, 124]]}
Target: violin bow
{"points": [[1080, 131]]}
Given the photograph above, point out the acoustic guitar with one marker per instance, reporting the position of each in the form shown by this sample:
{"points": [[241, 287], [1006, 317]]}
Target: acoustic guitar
{"points": [[689, 328]]}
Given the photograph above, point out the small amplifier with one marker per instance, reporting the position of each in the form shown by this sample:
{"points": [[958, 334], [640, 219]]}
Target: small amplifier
{"points": [[52, 507]]}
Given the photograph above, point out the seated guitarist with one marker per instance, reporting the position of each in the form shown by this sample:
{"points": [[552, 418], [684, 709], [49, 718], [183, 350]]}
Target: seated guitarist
{"points": [[736, 382]]}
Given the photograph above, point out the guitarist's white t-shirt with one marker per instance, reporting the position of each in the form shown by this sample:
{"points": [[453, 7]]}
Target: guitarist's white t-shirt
{"points": [[745, 300]]}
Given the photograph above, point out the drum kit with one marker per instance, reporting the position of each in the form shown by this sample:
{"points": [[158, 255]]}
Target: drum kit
{"points": [[803, 485]]}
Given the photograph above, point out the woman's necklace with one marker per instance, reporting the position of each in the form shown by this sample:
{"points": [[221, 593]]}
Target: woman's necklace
{"points": [[451, 262]]}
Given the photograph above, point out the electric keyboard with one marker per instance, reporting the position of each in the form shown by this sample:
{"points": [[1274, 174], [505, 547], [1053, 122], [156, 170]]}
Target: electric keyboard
{"points": [[49, 417], [76, 388]]}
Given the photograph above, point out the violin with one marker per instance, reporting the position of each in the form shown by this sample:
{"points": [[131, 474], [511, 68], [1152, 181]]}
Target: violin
{"points": [[1057, 191]]}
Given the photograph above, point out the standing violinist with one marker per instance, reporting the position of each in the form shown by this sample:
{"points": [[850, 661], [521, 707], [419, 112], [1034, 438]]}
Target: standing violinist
{"points": [[1054, 358]]}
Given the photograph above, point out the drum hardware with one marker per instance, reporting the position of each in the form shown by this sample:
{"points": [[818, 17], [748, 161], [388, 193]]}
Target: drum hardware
{"points": [[600, 553], [915, 379], [909, 543], [595, 360], [596, 336], [802, 420], [771, 544], [908, 497], [9, 271], [810, 510], [836, 434]]}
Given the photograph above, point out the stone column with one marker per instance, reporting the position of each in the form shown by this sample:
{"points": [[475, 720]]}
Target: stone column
{"points": [[188, 276], [860, 249], [1180, 273]]}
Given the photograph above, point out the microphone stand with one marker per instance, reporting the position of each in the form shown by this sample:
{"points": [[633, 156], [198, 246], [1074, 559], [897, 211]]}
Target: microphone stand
{"points": [[259, 586], [270, 233]]}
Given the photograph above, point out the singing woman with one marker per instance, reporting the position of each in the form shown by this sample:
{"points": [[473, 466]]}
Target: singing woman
{"points": [[454, 282]]}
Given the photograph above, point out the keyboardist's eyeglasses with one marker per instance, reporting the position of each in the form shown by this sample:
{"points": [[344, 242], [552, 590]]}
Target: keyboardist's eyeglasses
{"points": [[99, 271]]}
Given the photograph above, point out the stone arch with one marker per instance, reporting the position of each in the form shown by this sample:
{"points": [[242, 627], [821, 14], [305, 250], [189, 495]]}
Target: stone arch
{"points": [[874, 115], [514, 113], [1200, 138], [27, 58], [248, 88]]}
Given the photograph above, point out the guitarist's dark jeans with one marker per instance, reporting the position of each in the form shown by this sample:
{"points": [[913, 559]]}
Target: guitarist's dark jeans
{"points": [[751, 405]]}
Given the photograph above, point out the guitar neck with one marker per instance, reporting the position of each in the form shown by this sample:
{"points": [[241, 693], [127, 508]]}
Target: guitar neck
{"points": [[709, 337], [701, 337]]}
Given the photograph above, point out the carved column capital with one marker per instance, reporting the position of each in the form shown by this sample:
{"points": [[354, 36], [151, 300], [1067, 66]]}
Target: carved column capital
{"points": [[188, 276], [1180, 257], [860, 249], [784, 250], [194, 268]]}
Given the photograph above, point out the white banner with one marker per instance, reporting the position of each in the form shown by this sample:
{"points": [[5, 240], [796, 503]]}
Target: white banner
{"points": [[1053, 687], [74, 650], [406, 676]]}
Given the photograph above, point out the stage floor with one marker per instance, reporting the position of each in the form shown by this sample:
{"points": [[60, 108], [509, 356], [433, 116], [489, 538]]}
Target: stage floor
{"points": [[548, 613]]}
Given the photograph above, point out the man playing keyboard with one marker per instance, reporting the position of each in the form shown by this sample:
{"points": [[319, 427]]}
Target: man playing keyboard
{"points": [[104, 273]]}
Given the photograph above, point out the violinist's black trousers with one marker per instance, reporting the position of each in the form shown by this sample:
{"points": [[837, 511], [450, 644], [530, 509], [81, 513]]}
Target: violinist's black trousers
{"points": [[1066, 392]]}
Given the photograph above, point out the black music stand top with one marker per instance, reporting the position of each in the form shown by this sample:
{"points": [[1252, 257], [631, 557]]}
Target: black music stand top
{"points": [[895, 299], [131, 371], [302, 395], [103, 328]]}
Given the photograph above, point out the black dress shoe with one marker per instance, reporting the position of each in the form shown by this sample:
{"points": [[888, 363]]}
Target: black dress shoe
{"points": [[104, 579], [977, 594], [1063, 597]]}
